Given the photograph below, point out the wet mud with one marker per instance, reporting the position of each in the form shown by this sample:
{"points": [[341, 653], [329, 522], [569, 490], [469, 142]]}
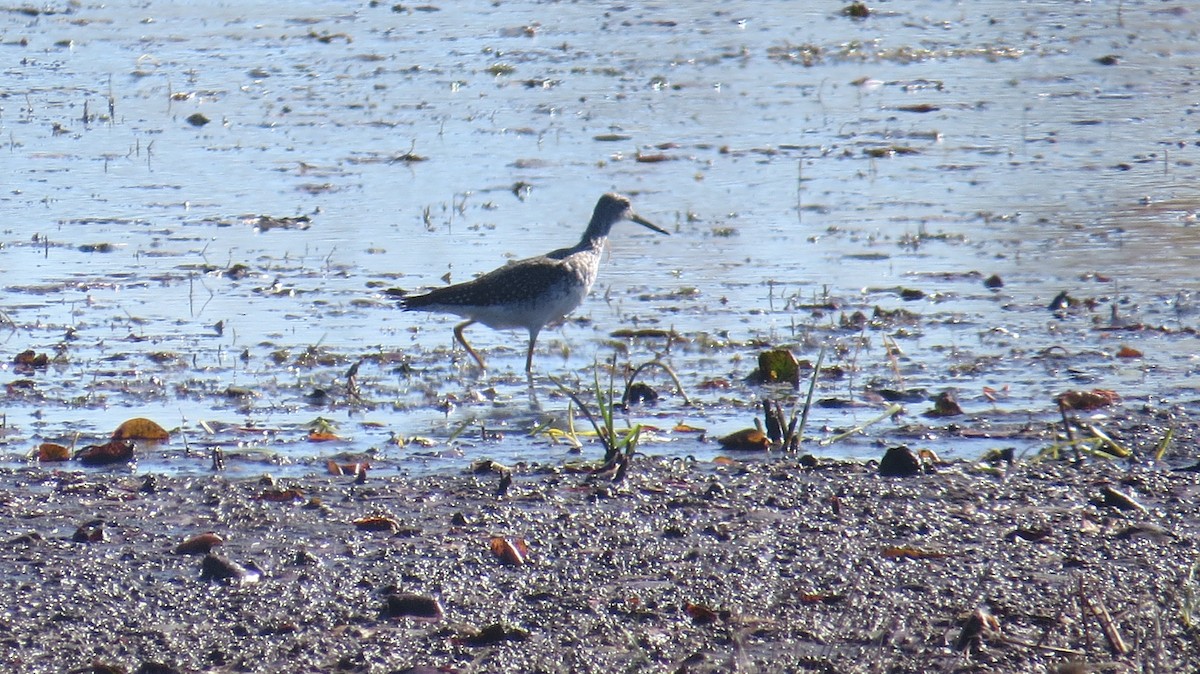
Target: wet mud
{"points": [[775, 566]]}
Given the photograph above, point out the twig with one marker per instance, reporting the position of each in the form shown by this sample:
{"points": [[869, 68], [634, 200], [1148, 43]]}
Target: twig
{"points": [[1164, 444], [1083, 609], [1100, 612], [353, 392], [1191, 598], [1062, 409], [459, 431], [1040, 646], [666, 368], [582, 408], [187, 446], [812, 387], [891, 411], [1106, 441]]}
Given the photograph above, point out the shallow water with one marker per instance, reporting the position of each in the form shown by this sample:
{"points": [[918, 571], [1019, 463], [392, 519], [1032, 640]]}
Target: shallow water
{"points": [[800, 157]]}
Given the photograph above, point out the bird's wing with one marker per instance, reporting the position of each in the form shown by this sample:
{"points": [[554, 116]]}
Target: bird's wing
{"points": [[523, 281]]}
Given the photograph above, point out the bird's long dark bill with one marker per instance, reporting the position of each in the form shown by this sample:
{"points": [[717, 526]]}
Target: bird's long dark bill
{"points": [[650, 225]]}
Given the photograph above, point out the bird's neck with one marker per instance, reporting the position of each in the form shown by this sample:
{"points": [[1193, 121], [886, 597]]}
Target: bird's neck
{"points": [[592, 241], [596, 233]]}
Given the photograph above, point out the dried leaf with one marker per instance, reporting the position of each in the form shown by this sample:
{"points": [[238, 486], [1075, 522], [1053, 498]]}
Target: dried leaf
{"points": [[30, 359], [511, 551], [219, 569], [701, 614], [377, 523], [1128, 352], [113, 451], [978, 626], [485, 466], [747, 439], [200, 544], [1111, 498], [993, 395], [929, 459], [945, 404], [51, 451], [140, 429], [493, 634], [1087, 400], [821, 598], [336, 468]]}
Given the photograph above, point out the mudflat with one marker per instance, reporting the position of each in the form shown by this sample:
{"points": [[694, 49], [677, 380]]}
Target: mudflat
{"points": [[684, 566]]}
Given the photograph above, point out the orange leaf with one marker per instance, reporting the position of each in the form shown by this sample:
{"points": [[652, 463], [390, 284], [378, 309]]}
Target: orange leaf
{"points": [[140, 429], [901, 552], [993, 395], [30, 359], [377, 523], [1087, 400], [200, 544], [51, 451], [820, 598], [1128, 352], [512, 551], [701, 614], [336, 468], [747, 439], [322, 436]]}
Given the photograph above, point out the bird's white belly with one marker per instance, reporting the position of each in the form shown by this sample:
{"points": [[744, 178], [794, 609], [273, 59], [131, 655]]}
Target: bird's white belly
{"points": [[548, 308]]}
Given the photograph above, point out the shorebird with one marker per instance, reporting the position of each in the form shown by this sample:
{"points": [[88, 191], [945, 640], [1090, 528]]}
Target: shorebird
{"points": [[534, 292]]}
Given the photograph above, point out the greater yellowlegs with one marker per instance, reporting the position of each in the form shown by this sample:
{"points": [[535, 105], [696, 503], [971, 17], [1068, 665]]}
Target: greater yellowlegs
{"points": [[535, 292]]}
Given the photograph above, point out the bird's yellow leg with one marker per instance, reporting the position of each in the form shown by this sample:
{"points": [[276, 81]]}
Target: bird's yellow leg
{"points": [[458, 334]]}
